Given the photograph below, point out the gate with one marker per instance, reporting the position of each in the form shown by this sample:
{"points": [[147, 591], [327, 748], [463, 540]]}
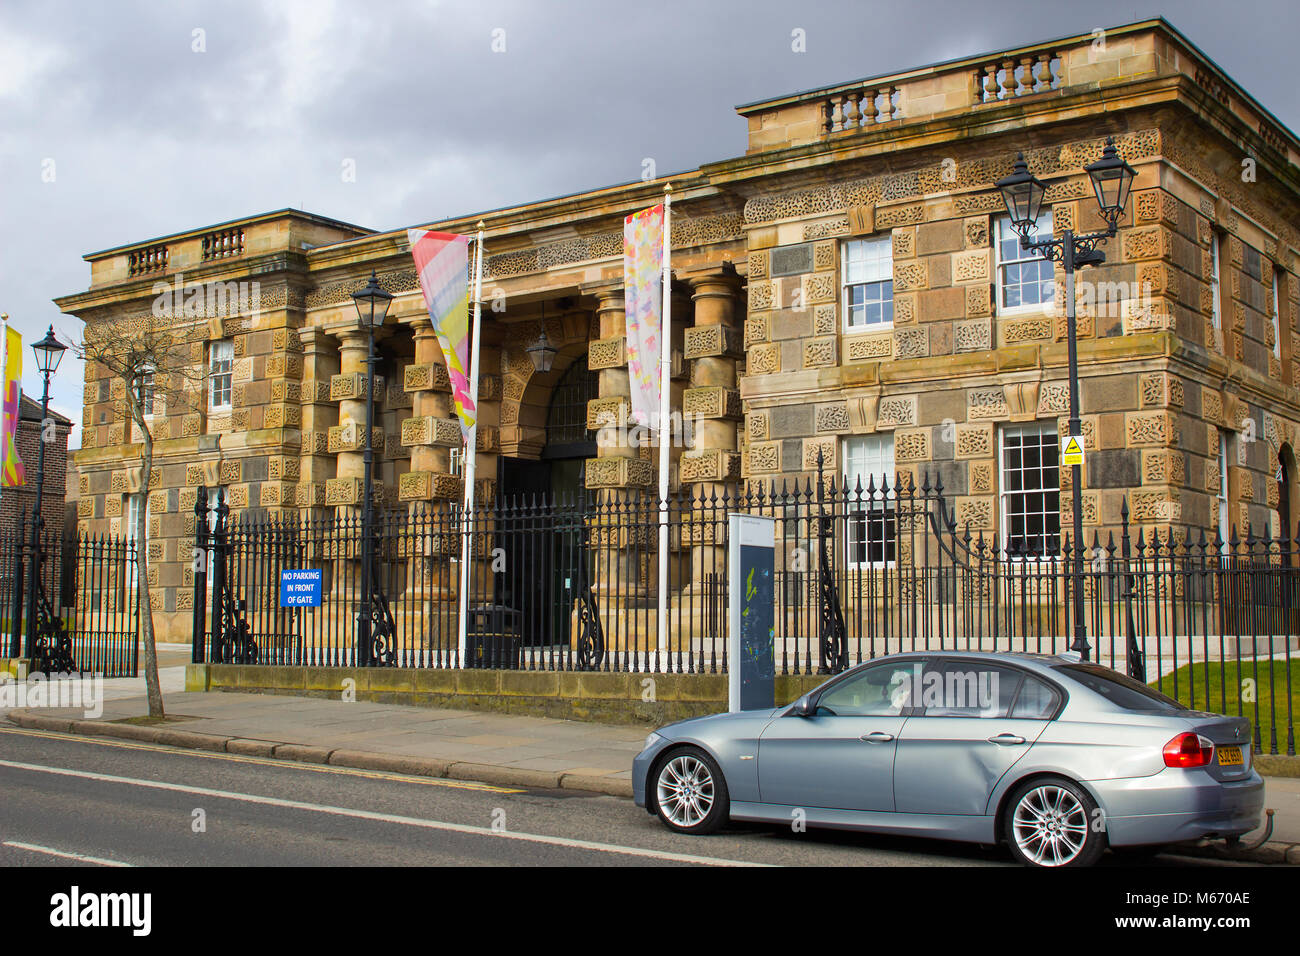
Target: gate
{"points": [[86, 603]]}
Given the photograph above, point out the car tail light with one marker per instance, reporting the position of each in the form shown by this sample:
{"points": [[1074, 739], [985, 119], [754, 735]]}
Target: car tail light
{"points": [[1189, 750]]}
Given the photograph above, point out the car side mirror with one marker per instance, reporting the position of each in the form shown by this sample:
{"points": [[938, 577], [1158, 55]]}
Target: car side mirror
{"points": [[803, 707]]}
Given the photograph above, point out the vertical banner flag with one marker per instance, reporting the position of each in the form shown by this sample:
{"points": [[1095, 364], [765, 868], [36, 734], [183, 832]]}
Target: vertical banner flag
{"points": [[12, 473], [643, 247], [442, 261]]}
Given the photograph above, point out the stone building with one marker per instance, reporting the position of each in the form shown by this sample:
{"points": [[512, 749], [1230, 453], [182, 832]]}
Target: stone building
{"points": [[848, 288]]}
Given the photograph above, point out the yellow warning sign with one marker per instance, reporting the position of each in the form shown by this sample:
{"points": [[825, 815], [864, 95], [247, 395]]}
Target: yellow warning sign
{"points": [[1072, 451]]}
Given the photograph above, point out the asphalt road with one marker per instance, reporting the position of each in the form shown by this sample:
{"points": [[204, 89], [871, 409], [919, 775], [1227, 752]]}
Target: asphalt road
{"points": [[74, 801]]}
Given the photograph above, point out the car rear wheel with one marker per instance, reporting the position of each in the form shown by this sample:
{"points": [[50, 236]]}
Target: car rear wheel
{"points": [[690, 794], [1048, 822]]}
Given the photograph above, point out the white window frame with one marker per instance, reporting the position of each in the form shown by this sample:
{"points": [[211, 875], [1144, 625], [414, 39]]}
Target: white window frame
{"points": [[1005, 493], [1002, 225], [874, 456], [149, 377], [131, 505], [221, 351], [131, 511], [1216, 282], [878, 263], [1221, 496]]}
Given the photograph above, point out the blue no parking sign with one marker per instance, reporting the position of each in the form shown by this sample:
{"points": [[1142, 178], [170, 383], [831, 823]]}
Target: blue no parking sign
{"points": [[300, 588]]}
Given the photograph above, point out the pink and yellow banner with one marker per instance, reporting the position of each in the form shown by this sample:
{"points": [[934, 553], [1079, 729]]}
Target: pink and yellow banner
{"points": [[12, 473], [643, 250], [442, 262]]}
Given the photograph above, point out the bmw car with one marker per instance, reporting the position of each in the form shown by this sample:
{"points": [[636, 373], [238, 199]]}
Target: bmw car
{"points": [[1056, 757]]}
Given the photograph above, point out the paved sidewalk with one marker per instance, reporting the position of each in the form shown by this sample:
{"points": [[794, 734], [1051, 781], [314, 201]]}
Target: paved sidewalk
{"points": [[494, 748]]}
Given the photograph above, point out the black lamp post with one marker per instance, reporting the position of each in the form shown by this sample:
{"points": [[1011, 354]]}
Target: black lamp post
{"points": [[1112, 178], [49, 353], [372, 304]]}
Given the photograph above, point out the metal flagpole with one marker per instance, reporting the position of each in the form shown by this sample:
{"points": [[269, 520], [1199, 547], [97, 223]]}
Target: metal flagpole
{"points": [[665, 388], [471, 453]]}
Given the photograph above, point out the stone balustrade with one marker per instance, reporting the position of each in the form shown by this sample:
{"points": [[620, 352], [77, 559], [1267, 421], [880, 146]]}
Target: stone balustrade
{"points": [[854, 109], [223, 244]]}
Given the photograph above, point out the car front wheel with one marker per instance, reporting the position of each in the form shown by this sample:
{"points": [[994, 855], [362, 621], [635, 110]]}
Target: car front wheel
{"points": [[1048, 822], [690, 794]]}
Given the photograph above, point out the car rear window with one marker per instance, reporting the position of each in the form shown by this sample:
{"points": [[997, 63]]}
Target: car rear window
{"points": [[1121, 691]]}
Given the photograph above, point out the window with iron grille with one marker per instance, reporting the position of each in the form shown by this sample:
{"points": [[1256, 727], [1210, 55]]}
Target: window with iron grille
{"points": [[221, 359], [1025, 279], [868, 271], [1030, 489], [566, 419], [868, 470]]}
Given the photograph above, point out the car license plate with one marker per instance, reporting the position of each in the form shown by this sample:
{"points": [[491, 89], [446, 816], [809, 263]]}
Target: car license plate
{"points": [[1229, 756]]}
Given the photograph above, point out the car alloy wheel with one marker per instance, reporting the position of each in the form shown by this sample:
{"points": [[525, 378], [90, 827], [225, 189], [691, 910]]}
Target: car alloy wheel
{"points": [[689, 792], [1049, 826]]}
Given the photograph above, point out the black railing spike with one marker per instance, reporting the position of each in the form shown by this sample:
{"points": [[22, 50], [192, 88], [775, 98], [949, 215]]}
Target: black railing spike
{"points": [[938, 484], [925, 488], [1123, 510]]}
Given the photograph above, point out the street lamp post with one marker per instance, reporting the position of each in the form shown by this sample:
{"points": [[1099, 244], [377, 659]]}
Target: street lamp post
{"points": [[372, 304], [1023, 193], [49, 352]]}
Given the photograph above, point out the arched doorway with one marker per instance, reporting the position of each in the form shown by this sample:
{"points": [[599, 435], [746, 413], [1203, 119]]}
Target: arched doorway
{"points": [[543, 543]]}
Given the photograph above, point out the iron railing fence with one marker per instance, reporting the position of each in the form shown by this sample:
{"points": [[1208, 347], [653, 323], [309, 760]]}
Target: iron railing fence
{"points": [[570, 581], [87, 617]]}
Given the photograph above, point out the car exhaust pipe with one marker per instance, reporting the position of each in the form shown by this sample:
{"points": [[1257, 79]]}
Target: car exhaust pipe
{"points": [[1268, 832]]}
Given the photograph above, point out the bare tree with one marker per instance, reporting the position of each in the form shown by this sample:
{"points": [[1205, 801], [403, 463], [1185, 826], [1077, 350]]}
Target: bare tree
{"points": [[152, 356]]}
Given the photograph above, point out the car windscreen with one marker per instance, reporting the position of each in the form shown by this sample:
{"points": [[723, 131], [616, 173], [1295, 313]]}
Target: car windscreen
{"points": [[1122, 691]]}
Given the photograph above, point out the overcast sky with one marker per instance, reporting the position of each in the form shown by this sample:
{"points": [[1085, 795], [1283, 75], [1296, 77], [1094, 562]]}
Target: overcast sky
{"points": [[121, 121]]}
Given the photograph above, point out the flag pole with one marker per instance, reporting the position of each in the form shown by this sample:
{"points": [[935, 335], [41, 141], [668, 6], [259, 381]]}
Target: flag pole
{"points": [[471, 454], [665, 388]]}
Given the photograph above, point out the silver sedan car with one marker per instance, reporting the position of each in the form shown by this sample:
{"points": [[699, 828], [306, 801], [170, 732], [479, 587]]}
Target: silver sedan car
{"points": [[1055, 757]]}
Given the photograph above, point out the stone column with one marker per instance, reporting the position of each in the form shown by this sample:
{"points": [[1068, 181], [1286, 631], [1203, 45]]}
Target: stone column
{"points": [[320, 358], [619, 474], [430, 490], [344, 492], [711, 468], [430, 434]]}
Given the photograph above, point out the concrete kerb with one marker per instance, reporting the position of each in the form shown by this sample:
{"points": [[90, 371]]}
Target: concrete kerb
{"points": [[492, 774]]}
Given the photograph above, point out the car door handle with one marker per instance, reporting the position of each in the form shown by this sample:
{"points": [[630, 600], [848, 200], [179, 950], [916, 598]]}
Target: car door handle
{"points": [[1006, 739], [877, 737]]}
